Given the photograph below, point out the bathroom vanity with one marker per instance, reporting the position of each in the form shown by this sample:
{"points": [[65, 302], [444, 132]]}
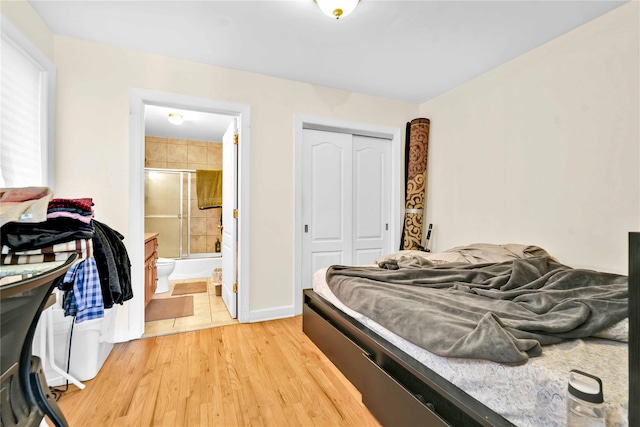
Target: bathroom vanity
{"points": [[150, 271]]}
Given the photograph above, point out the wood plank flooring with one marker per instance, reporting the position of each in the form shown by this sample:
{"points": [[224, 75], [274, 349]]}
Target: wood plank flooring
{"points": [[258, 374]]}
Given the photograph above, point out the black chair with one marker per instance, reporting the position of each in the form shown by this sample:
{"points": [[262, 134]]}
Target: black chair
{"points": [[24, 395]]}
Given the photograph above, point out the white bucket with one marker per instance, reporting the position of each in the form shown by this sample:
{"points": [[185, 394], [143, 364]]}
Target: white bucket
{"points": [[91, 343]]}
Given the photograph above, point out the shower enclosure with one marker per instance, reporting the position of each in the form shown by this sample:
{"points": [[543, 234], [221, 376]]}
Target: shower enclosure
{"points": [[171, 210]]}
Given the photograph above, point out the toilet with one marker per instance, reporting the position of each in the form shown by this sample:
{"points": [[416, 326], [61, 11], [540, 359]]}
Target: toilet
{"points": [[165, 267]]}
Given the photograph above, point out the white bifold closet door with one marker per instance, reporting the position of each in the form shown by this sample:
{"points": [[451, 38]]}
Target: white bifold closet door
{"points": [[346, 188]]}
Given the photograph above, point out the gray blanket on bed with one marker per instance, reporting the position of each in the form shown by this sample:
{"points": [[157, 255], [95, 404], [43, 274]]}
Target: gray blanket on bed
{"points": [[501, 312]]}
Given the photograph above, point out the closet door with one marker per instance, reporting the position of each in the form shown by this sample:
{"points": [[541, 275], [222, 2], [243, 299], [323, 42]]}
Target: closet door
{"points": [[371, 198], [326, 201], [346, 200]]}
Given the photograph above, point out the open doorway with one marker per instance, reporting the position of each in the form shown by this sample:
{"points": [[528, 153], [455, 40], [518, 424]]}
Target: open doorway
{"points": [[187, 155], [196, 251]]}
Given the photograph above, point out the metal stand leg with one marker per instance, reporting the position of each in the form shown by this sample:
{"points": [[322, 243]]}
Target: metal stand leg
{"points": [[50, 354], [42, 394]]}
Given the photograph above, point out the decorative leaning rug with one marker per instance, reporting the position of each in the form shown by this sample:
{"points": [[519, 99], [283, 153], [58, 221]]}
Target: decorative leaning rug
{"points": [[416, 151]]}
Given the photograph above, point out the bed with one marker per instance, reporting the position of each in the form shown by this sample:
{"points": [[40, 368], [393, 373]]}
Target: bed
{"points": [[403, 384]]}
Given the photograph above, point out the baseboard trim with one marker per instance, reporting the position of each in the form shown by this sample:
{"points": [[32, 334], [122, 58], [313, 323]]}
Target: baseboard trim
{"points": [[271, 313]]}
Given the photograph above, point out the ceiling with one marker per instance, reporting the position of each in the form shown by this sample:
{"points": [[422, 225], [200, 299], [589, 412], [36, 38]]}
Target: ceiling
{"points": [[404, 50], [197, 126]]}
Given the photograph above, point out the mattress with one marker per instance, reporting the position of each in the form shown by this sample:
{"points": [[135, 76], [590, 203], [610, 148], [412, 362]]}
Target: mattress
{"points": [[532, 394]]}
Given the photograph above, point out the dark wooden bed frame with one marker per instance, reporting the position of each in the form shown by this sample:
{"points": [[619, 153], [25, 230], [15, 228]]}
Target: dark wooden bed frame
{"points": [[400, 391]]}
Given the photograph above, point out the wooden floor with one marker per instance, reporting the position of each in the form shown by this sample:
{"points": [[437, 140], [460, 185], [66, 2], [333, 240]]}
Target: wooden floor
{"points": [[258, 374]]}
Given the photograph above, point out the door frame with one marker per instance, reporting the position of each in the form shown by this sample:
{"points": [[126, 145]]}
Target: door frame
{"points": [[138, 98], [341, 126]]}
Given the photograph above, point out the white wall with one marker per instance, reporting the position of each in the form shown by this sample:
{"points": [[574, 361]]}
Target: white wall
{"points": [[23, 17], [544, 149]]}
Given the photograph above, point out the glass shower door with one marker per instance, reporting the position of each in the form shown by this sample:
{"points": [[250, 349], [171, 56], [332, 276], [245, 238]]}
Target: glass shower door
{"points": [[163, 212]]}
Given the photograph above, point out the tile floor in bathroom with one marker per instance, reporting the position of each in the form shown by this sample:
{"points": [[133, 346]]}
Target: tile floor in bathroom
{"points": [[209, 311]]}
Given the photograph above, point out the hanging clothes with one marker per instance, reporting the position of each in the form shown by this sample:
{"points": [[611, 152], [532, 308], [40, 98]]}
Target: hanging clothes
{"points": [[83, 297], [99, 280], [113, 263]]}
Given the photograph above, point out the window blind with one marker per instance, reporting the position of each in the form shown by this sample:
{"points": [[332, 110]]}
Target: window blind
{"points": [[22, 106]]}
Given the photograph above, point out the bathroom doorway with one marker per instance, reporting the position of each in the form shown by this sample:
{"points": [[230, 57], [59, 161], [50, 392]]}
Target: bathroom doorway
{"points": [[173, 153], [176, 154], [186, 222]]}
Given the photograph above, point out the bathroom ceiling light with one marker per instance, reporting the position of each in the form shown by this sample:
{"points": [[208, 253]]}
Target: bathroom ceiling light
{"points": [[176, 119], [337, 8]]}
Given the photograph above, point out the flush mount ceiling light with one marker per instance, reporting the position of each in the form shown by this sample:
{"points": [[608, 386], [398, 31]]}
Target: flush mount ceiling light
{"points": [[337, 8], [176, 119]]}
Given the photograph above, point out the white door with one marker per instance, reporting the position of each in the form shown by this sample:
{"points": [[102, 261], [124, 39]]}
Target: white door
{"points": [[229, 223], [346, 207], [371, 198], [326, 201]]}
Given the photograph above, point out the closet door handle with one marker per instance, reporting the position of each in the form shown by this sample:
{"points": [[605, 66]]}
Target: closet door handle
{"points": [[306, 228]]}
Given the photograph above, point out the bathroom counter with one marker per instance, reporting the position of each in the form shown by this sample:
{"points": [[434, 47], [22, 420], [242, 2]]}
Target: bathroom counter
{"points": [[150, 270], [149, 236]]}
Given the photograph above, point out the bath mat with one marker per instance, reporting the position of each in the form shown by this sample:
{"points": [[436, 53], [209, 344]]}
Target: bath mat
{"points": [[189, 288], [169, 308]]}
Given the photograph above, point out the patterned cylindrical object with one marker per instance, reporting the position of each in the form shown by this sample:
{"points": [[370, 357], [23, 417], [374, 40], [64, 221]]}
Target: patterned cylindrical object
{"points": [[417, 145]]}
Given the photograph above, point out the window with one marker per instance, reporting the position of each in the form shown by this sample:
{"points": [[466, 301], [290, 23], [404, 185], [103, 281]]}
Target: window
{"points": [[26, 112]]}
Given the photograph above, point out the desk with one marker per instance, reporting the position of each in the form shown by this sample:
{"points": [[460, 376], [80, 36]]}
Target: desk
{"points": [[23, 389], [14, 273]]}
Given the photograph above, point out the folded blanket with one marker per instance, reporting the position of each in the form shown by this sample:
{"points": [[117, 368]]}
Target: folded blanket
{"points": [[209, 188], [57, 252], [27, 204], [502, 312], [84, 203], [26, 236], [70, 210], [23, 194], [84, 218]]}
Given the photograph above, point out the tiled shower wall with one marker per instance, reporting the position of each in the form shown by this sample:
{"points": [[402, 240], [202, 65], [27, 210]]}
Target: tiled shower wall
{"points": [[169, 153]]}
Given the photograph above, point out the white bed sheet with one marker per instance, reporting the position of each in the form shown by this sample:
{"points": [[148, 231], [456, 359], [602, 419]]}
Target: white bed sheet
{"points": [[532, 394]]}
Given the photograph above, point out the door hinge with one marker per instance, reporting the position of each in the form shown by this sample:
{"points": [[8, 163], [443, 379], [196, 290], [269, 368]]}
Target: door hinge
{"points": [[235, 213], [235, 288], [235, 139]]}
